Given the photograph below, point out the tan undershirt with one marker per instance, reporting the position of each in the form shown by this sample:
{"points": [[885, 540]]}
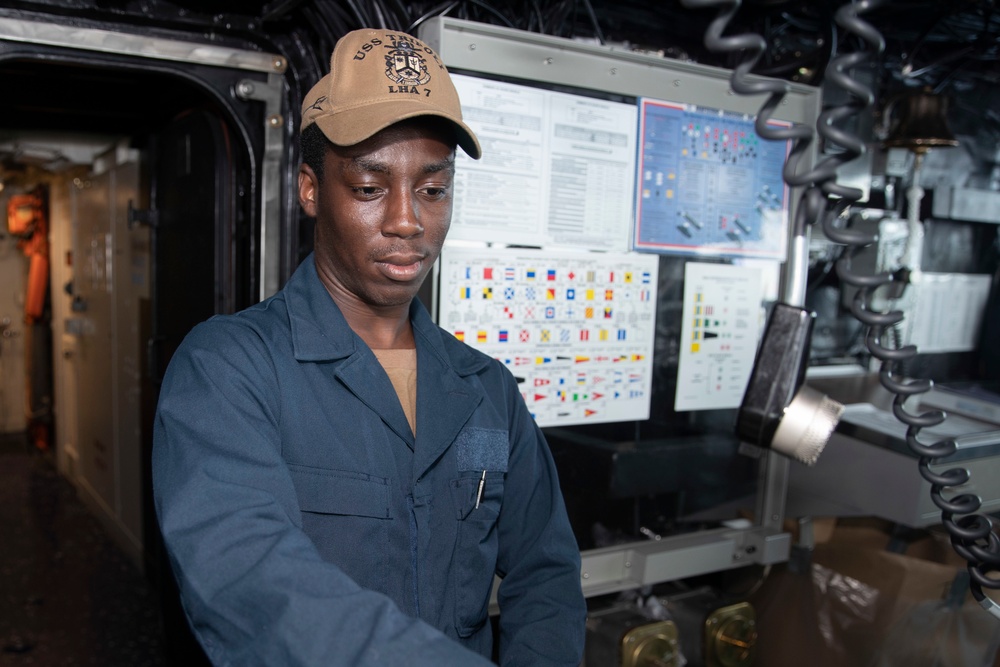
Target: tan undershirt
{"points": [[401, 367]]}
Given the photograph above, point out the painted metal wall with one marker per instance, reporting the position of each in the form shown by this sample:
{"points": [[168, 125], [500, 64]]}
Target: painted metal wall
{"points": [[13, 272], [111, 277]]}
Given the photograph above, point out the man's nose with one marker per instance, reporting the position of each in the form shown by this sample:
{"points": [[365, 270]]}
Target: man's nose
{"points": [[402, 216]]}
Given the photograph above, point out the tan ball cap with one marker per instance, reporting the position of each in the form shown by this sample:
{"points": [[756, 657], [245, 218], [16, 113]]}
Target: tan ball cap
{"points": [[380, 77]]}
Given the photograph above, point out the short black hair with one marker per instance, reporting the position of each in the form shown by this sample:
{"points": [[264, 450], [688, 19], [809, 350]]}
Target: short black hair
{"points": [[314, 144]]}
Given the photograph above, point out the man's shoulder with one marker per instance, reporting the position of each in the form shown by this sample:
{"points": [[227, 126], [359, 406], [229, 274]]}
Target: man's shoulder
{"points": [[266, 322]]}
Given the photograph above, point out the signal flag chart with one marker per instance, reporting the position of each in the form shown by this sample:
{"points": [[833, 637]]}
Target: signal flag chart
{"points": [[708, 184], [719, 333], [576, 329]]}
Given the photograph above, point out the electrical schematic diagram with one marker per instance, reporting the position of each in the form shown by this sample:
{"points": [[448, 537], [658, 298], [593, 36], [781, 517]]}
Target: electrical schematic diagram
{"points": [[707, 184], [576, 329]]}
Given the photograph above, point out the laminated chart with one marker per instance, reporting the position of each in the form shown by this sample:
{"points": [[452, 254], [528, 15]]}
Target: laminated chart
{"points": [[708, 185], [557, 168], [719, 333], [575, 329]]}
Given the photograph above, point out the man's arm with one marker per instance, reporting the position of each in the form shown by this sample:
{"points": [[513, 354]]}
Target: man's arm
{"points": [[253, 585], [542, 609]]}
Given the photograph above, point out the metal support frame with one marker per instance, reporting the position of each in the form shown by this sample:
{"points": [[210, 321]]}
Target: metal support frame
{"points": [[499, 51], [480, 48], [629, 566], [156, 48], [141, 46], [270, 205]]}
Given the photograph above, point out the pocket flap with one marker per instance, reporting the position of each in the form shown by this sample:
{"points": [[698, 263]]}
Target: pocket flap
{"points": [[341, 492]]}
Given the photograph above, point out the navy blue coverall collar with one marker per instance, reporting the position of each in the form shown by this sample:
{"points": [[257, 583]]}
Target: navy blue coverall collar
{"points": [[320, 333]]}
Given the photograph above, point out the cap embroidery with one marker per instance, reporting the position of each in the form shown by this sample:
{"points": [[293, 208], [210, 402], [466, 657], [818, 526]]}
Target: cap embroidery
{"points": [[404, 66], [318, 104]]}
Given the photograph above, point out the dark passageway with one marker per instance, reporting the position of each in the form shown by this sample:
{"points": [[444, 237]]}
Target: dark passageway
{"points": [[68, 594]]}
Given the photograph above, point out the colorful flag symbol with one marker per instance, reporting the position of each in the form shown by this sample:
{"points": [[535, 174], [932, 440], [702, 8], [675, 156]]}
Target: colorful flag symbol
{"points": [[488, 273], [550, 274], [460, 335], [502, 336]]}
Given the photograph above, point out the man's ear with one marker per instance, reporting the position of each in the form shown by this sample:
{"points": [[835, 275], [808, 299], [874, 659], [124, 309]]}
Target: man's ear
{"points": [[308, 190]]}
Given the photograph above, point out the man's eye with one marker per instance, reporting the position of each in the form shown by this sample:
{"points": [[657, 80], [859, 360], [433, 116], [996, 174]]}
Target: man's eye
{"points": [[436, 193], [365, 191]]}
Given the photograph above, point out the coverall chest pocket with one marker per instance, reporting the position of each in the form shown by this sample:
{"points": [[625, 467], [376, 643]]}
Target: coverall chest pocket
{"points": [[346, 515], [476, 546], [340, 492]]}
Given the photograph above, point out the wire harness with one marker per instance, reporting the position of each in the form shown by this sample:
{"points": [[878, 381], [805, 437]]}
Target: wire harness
{"points": [[824, 200]]}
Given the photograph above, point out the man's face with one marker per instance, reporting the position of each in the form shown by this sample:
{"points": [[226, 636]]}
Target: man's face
{"points": [[382, 213]]}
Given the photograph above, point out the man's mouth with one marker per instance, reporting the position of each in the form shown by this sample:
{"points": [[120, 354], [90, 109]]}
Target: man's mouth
{"points": [[401, 267]]}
